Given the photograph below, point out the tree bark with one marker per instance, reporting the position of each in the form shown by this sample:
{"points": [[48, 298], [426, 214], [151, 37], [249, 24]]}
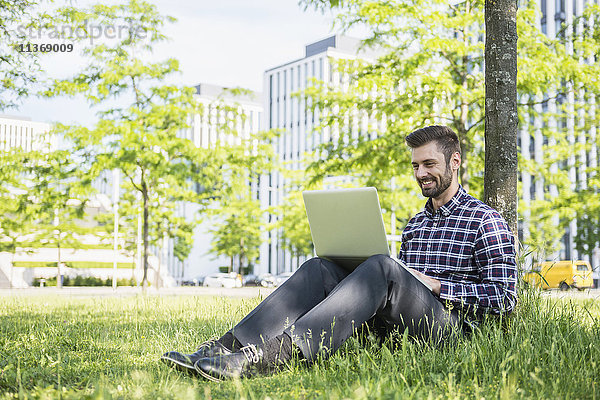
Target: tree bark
{"points": [[501, 119], [58, 266], [145, 234]]}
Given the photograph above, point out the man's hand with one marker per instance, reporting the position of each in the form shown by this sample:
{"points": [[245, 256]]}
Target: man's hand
{"points": [[435, 284]]}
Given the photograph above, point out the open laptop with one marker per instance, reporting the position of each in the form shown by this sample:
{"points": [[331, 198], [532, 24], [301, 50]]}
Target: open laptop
{"points": [[347, 226]]}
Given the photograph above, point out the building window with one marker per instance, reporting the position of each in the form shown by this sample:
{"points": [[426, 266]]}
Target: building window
{"points": [[284, 85], [544, 20], [305, 74], [567, 242], [285, 74], [532, 147], [320, 69], [278, 86], [278, 100], [559, 18], [271, 91]]}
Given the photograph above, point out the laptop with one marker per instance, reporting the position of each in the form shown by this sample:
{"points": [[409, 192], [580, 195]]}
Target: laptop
{"points": [[347, 227]]}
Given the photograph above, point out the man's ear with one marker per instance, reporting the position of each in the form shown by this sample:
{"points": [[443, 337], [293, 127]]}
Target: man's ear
{"points": [[455, 161]]}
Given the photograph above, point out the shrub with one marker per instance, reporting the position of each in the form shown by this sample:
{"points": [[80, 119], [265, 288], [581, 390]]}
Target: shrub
{"points": [[80, 280]]}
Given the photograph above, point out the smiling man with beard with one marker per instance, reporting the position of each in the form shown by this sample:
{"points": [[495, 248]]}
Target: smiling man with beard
{"points": [[459, 245]]}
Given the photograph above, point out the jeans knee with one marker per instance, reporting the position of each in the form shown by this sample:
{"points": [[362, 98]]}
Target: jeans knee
{"points": [[311, 263], [383, 263], [380, 259], [323, 266]]}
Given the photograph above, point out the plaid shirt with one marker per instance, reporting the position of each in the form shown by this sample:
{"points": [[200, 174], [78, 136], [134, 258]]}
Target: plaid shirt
{"points": [[468, 246]]}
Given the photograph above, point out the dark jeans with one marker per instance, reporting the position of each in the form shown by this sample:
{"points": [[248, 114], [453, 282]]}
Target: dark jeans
{"points": [[322, 304]]}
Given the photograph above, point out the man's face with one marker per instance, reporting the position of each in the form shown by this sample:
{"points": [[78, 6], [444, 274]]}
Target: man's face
{"points": [[432, 172]]}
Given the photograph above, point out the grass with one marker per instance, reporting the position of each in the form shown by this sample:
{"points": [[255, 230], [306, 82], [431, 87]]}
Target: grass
{"points": [[105, 348]]}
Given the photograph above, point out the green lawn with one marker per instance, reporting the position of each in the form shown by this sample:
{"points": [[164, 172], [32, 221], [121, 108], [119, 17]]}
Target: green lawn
{"points": [[70, 347]]}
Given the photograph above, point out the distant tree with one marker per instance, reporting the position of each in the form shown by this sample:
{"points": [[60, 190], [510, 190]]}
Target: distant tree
{"points": [[240, 158], [140, 128], [142, 131], [293, 225], [165, 220], [237, 231], [587, 215], [18, 219], [19, 70], [58, 193]]}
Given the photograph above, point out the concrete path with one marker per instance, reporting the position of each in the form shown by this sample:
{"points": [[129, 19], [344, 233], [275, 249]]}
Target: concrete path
{"points": [[134, 291], [205, 291], [574, 294]]}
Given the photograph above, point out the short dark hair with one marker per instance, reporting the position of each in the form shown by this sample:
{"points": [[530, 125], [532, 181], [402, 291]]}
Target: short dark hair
{"points": [[445, 138]]}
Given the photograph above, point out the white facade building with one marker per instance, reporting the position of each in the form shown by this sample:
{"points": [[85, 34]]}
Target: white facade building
{"points": [[532, 141], [24, 133], [205, 132], [289, 114], [292, 117]]}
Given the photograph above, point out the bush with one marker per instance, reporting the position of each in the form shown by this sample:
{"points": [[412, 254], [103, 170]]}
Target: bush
{"points": [[85, 281], [71, 264]]}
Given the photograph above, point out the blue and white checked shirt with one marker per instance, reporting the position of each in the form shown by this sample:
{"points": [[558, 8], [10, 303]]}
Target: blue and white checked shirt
{"points": [[468, 246]]}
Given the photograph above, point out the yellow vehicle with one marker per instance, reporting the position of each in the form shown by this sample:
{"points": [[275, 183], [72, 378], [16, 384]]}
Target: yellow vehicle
{"points": [[561, 274]]}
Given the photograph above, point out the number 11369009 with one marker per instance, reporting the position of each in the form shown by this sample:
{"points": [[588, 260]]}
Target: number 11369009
{"points": [[44, 47]]}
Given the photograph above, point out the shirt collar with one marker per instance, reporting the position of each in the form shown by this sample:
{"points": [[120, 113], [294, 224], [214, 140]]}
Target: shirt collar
{"points": [[447, 208]]}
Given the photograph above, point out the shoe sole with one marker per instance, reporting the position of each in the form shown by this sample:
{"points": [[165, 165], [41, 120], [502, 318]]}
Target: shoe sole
{"points": [[179, 365], [207, 376]]}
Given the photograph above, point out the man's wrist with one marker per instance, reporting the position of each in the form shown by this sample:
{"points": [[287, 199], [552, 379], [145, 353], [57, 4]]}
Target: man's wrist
{"points": [[445, 290], [436, 287]]}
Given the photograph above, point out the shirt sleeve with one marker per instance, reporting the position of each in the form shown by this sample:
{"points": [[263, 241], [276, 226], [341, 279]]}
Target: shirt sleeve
{"points": [[494, 256], [401, 251]]}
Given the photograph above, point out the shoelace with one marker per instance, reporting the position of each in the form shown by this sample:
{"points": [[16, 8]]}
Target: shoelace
{"points": [[251, 353], [210, 342]]}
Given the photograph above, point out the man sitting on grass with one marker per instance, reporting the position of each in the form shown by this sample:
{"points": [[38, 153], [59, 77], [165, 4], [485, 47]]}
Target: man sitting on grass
{"points": [[459, 245]]}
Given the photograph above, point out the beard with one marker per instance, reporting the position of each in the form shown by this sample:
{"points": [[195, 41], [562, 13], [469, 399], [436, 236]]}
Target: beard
{"points": [[441, 184]]}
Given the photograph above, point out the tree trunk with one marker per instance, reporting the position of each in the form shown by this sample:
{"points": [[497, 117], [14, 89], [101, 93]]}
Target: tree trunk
{"points": [[145, 234], [12, 266], [242, 255], [58, 269], [500, 180], [465, 146]]}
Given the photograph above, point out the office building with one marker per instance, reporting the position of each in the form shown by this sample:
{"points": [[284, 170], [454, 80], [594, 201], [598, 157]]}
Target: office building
{"points": [[206, 131], [24, 133], [290, 114], [555, 13], [296, 121]]}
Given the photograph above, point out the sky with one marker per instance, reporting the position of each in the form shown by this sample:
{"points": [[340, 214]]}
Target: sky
{"points": [[228, 43]]}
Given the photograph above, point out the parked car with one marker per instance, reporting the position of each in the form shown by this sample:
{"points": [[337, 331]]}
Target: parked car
{"points": [[197, 281], [223, 279], [279, 279], [265, 280], [561, 274]]}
